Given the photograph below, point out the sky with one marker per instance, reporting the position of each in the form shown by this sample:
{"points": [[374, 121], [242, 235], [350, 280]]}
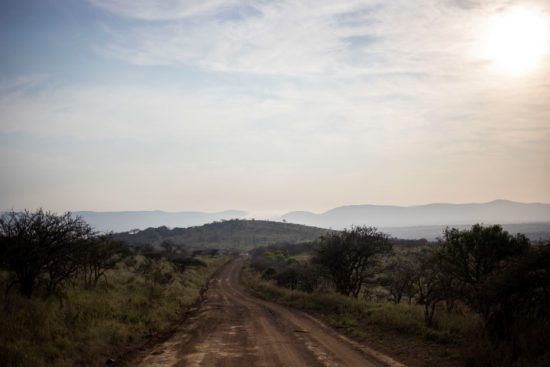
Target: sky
{"points": [[271, 106]]}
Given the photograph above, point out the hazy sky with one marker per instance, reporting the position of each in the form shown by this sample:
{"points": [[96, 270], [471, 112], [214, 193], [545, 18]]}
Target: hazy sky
{"points": [[269, 105]]}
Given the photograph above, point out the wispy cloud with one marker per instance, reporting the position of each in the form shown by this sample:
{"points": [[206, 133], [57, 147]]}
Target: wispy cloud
{"points": [[286, 104], [20, 83], [301, 38], [155, 10]]}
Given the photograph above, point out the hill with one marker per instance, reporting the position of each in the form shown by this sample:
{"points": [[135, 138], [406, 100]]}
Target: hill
{"points": [[128, 220], [230, 234], [498, 211], [534, 231]]}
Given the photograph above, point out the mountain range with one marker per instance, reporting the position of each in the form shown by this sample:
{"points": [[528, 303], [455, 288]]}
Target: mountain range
{"points": [[440, 214], [401, 221]]}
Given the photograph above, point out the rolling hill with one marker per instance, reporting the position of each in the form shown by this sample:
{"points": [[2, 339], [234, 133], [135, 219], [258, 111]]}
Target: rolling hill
{"points": [[128, 220], [230, 234]]}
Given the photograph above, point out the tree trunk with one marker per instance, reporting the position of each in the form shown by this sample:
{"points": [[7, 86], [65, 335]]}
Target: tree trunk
{"points": [[429, 311], [26, 287]]}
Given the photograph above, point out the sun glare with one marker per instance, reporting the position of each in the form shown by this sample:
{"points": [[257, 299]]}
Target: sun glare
{"points": [[516, 40]]}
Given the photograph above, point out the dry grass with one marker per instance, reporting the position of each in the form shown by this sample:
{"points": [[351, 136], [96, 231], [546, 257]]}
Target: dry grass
{"points": [[88, 325]]}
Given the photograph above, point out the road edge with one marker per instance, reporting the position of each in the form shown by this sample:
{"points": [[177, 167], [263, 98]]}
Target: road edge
{"points": [[371, 353], [135, 352]]}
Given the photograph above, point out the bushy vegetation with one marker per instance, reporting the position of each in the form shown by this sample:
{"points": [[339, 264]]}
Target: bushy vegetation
{"points": [[353, 314], [350, 257], [73, 297], [482, 288]]}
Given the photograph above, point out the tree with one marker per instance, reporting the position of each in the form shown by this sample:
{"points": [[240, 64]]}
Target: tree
{"points": [[429, 283], [518, 298], [41, 245], [350, 256], [471, 256], [402, 275], [101, 254]]}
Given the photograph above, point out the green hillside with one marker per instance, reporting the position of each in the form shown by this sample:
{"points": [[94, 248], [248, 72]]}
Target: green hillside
{"points": [[230, 234]]}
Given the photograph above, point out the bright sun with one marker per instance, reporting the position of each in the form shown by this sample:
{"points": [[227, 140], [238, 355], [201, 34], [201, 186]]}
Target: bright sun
{"points": [[516, 40]]}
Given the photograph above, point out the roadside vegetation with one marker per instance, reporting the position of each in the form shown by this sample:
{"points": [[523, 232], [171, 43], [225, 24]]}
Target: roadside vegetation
{"points": [[476, 297], [72, 297]]}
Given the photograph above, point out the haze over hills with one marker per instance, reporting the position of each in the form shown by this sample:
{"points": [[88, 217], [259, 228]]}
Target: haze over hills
{"points": [[426, 217], [128, 220], [534, 231], [498, 211]]}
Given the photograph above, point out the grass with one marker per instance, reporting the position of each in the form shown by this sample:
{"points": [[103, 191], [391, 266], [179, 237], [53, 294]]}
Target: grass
{"points": [[89, 325], [350, 313], [383, 322]]}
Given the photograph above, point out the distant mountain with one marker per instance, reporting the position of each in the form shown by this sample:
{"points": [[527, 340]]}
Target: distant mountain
{"points": [[233, 234], [498, 211], [534, 231], [404, 221], [125, 221]]}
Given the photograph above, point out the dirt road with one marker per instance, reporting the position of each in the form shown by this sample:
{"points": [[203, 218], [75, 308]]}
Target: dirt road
{"points": [[233, 328]]}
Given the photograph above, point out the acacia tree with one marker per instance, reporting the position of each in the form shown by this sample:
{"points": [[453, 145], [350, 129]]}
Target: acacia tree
{"points": [[349, 256], [41, 245]]}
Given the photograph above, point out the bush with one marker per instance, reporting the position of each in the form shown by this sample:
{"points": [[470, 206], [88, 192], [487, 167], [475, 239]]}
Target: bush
{"points": [[349, 257]]}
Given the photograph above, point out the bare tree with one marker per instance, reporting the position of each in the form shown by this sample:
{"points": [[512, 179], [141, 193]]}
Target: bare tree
{"points": [[41, 245]]}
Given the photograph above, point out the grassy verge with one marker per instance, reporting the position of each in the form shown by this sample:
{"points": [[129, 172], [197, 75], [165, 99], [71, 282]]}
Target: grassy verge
{"points": [[397, 329], [88, 325]]}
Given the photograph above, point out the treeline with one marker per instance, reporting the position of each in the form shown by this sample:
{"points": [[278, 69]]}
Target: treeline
{"points": [[45, 252], [504, 279], [72, 296]]}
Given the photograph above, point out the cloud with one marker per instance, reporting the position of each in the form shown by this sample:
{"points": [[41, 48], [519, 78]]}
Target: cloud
{"points": [[157, 10], [347, 38], [285, 38], [20, 83], [282, 104], [321, 37]]}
